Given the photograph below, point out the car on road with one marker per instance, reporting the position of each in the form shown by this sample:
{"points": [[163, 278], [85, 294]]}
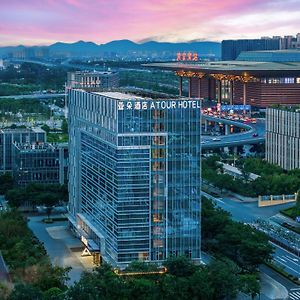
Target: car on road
{"points": [[255, 134], [216, 139]]}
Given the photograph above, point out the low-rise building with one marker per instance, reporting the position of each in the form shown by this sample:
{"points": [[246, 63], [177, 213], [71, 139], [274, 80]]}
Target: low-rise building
{"points": [[236, 172], [40, 163], [9, 137], [93, 81]]}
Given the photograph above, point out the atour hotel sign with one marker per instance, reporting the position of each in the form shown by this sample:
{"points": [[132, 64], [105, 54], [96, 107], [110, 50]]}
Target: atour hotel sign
{"points": [[145, 105]]}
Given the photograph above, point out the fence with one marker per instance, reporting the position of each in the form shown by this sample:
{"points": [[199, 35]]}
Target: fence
{"points": [[276, 199]]}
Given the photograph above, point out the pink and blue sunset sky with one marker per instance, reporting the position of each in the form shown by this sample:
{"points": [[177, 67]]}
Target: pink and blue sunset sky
{"points": [[42, 22]]}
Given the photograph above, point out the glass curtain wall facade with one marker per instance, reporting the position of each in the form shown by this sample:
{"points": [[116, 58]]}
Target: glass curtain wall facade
{"points": [[8, 137], [135, 175]]}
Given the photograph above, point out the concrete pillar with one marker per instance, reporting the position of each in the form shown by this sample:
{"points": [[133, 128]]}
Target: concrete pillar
{"points": [[235, 150], [227, 129], [180, 85], [205, 125], [244, 94], [199, 87], [190, 87], [219, 91], [246, 149], [226, 149], [231, 92]]}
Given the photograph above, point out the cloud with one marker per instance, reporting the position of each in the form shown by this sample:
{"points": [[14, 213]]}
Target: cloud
{"points": [[169, 20]]}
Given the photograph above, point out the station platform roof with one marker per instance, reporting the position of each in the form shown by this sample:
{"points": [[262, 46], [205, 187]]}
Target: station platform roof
{"points": [[238, 68]]}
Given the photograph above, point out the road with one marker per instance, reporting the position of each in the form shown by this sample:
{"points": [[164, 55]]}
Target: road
{"points": [[234, 139], [246, 212], [33, 96], [249, 213], [289, 261]]}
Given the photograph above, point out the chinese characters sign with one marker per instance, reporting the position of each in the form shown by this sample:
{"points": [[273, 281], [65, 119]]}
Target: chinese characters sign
{"points": [[187, 56], [144, 105]]}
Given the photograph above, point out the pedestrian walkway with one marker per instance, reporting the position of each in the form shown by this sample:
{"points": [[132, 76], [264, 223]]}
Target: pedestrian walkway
{"points": [[271, 288], [62, 247], [294, 294]]}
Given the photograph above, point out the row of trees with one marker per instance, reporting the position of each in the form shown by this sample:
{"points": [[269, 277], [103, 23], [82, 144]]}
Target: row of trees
{"points": [[36, 194], [237, 249], [272, 181], [222, 236], [37, 77], [26, 258], [32, 106], [219, 280]]}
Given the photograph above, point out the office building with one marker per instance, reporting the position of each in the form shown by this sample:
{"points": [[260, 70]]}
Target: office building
{"points": [[93, 81], [283, 137], [40, 163], [8, 137], [135, 176], [231, 49]]}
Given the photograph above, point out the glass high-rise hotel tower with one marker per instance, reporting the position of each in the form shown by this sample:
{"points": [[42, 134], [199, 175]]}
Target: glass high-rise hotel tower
{"points": [[135, 175]]}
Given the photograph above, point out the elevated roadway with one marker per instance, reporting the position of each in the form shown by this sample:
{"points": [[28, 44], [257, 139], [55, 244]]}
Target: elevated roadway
{"points": [[253, 134]]}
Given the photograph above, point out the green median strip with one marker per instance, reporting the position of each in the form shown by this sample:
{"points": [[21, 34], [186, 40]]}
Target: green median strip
{"points": [[282, 272]]}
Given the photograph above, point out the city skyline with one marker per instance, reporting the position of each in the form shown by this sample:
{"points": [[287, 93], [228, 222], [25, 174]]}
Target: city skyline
{"points": [[45, 22]]}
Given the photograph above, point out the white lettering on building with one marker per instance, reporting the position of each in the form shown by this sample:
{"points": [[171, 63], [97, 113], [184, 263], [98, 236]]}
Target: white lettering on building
{"points": [[137, 105]]}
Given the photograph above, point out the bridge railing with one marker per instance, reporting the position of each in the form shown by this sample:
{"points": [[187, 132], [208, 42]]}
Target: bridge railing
{"points": [[270, 200]]}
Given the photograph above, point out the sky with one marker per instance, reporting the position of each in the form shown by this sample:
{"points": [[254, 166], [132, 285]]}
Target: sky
{"points": [[43, 22]]}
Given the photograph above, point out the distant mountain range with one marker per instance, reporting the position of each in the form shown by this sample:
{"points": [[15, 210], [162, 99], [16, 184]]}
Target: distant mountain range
{"points": [[118, 47]]}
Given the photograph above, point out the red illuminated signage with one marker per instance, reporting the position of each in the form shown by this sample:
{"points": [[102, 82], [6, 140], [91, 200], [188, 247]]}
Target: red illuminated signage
{"points": [[187, 56]]}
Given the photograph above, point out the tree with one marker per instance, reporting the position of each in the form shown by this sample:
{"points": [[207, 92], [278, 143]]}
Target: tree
{"points": [[53, 293], [180, 266], [48, 200], [249, 284], [225, 279], [141, 266], [46, 128], [298, 200], [48, 276], [214, 220], [244, 244], [64, 126], [6, 183], [25, 292], [5, 290], [16, 197], [201, 285], [141, 288]]}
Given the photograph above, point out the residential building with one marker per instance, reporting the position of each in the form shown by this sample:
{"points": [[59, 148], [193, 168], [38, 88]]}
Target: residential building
{"points": [[283, 137], [135, 176]]}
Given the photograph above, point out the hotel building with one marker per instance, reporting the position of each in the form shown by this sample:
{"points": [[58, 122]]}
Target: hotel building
{"points": [[135, 176]]}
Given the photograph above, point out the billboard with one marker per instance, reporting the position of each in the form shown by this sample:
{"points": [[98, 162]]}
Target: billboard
{"points": [[235, 107]]}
